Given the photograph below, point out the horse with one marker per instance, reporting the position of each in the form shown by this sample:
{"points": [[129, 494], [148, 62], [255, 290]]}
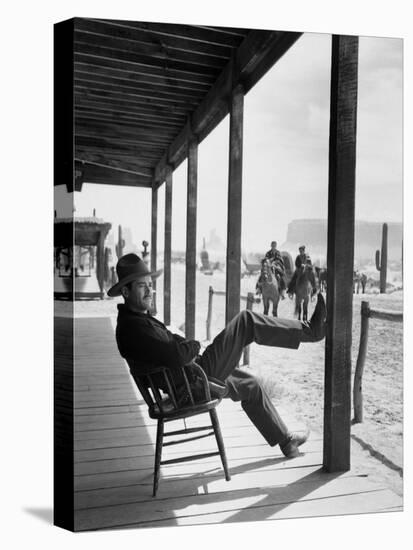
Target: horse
{"points": [[303, 288], [268, 286]]}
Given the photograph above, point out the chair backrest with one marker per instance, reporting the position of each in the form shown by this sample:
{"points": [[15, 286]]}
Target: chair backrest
{"points": [[185, 386]]}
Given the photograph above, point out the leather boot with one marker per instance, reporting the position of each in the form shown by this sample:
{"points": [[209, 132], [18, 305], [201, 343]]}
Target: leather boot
{"points": [[315, 329]]}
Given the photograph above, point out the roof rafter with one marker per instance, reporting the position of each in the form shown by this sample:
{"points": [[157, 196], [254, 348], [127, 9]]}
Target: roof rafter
{"points": [[259, 51]]}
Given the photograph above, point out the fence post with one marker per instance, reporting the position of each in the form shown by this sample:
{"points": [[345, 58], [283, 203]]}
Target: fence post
{"points": [[358, 375], [209, 315], [250, 302]]}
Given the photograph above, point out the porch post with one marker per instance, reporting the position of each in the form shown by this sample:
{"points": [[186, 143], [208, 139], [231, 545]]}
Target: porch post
{"points": [[167, 249], [190, 278], [233, 283], [154, 238], [340, 253]]}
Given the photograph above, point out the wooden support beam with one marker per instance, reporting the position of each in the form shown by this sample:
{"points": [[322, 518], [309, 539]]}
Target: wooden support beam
{"points": [[146, 172], [340, 253], [191, 217], [233, 283], [255, 56], [79, 176], [167, 249], [154, 240], [92, 173]]}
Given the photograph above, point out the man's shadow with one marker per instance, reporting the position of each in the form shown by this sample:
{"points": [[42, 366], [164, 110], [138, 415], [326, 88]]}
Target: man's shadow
{"points": [[44, 514]]}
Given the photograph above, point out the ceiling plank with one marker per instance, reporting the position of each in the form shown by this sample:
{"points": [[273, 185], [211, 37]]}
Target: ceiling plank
{"points": [[144, 69], [128, 79], [133, 100], [156, 51], [212, 36], [127, 118], [88, 117], [121, 132], [105, 147], [128, 75], [153, 143], [176, 43], [131, 108], [109, 84], [226, 30], [91, 48], [144, 97]]}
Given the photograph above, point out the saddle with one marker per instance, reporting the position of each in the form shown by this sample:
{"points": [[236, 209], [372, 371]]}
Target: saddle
{"points": [[277, 269]]}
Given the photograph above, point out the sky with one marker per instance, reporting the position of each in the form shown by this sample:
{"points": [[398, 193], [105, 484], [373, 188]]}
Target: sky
{"points": [[285, 161]]}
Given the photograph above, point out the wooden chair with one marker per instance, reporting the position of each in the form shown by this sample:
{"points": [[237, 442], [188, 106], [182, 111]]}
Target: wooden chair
{"points": [[192, 397]]}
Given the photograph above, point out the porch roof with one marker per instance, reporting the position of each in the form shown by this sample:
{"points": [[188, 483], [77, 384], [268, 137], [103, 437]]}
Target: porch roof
{"points": [[141, 90]]}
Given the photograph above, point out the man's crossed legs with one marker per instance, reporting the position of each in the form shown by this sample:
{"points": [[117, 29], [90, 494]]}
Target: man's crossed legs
{"points": [[220, 360]]}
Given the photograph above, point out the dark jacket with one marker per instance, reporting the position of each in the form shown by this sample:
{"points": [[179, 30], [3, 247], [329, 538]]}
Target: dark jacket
{"points": [[144, 340], [302, 259], [275, 256]]}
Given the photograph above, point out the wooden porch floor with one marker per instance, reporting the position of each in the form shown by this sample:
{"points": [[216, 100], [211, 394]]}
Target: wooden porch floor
{"points": [[114, 452]]}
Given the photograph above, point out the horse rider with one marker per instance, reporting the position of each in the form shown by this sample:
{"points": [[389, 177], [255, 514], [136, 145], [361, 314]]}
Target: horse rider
{"points": [[266, 267], [277, 263], [302, 259]]}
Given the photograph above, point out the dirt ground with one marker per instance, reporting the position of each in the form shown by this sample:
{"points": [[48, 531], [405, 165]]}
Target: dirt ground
{"points": [[295, 378]]}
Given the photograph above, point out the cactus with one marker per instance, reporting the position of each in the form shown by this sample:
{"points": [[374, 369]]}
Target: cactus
{"points": [[381, 263], [121, 243]]}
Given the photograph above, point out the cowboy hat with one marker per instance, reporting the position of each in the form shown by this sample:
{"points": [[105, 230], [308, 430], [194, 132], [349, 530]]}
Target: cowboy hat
{"points": [[129, 268]]}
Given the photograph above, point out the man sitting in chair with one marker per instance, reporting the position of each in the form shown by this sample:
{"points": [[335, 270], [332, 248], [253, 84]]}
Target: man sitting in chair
{"points": [[144, 341]]}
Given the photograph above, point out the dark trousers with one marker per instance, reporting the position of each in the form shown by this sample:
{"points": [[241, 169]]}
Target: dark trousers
{"points": [[291, 286], [281, 280], [220, 360]]}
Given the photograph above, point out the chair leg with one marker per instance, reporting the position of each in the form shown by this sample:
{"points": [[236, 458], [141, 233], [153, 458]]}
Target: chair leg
{"points": [[158, 455], [220, 441]]}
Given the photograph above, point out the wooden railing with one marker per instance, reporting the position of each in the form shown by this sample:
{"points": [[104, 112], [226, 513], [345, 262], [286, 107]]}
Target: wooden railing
{"points": [[366, 314], [250, 299]]}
